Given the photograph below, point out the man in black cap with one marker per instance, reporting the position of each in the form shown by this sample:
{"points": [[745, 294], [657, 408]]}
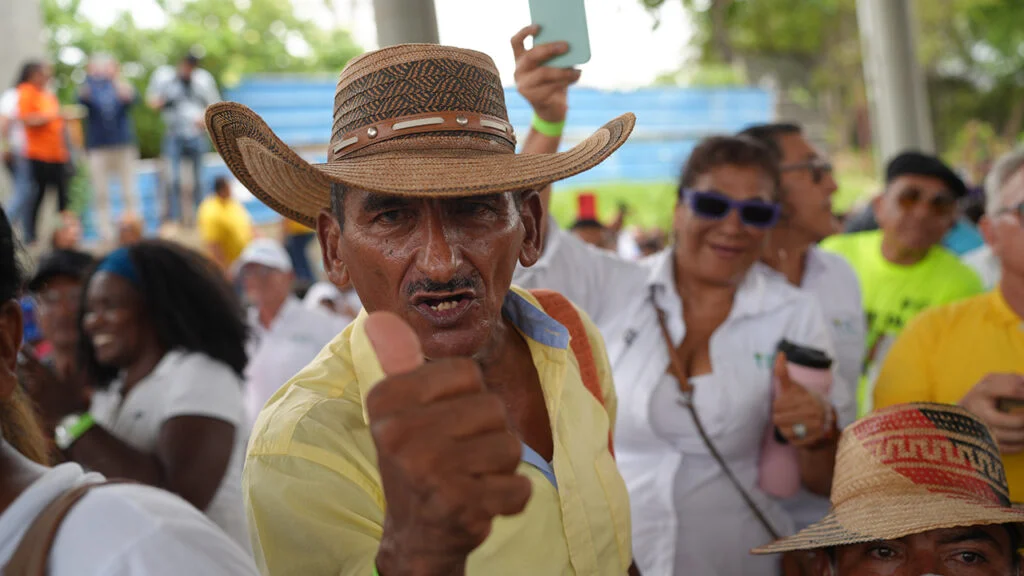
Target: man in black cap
{"points": [[902, 267]]}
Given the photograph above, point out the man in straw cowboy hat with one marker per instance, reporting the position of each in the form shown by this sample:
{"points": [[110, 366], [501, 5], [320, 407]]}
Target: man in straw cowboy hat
{"points": [[454, 426], [919, 489]]}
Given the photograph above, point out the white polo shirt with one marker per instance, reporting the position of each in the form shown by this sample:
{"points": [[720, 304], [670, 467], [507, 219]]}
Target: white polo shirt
{"points": [[687, 517], [184, 384], [294, 338], [121, 529]]}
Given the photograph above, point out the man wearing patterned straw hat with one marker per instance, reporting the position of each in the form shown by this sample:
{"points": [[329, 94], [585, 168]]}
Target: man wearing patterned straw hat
{"points": [[457, 425], [919, 489]]}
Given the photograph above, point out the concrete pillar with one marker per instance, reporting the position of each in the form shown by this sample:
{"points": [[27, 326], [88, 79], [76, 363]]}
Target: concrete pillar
{"points": [[20, 27], [895, 82], [404, 21]]}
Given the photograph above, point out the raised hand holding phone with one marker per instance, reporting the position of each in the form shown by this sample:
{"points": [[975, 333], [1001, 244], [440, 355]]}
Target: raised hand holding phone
{"points": [[562, 21], [446, 454]]}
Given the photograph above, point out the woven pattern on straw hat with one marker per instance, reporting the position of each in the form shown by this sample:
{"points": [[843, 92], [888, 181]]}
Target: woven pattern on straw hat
{"points": [[909, 469], [457, 140]]}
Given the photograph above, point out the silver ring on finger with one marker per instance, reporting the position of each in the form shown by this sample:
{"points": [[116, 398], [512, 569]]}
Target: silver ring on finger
{"points": [[799, 431]]}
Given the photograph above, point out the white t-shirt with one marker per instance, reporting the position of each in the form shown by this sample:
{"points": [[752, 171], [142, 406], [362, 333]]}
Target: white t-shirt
{"points": [[9, 109], [276, 354], [986, 264], [184, 384], [686, 516], [121, 529]]}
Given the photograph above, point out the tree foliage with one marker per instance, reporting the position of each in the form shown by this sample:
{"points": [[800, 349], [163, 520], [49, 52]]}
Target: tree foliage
{"points": [[972, 52], [236, 38]]}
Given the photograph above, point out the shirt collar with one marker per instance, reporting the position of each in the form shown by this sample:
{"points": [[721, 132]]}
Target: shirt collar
{"points": [[749, 299], [1000, 309], [519, 308]]}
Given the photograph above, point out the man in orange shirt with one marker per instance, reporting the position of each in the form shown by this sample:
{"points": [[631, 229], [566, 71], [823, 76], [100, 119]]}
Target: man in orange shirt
{"points": [[45, 144]]}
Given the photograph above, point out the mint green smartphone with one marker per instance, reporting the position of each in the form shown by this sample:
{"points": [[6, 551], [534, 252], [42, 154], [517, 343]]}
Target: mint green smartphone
{"points": [[562, 21]]}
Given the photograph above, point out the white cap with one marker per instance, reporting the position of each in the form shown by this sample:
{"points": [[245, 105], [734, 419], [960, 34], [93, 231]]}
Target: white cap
{"points": [[319, 292], [267, 252]]}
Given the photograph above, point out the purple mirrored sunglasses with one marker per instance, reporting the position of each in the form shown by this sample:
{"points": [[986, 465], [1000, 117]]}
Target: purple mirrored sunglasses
{"points": [[712, 205]]}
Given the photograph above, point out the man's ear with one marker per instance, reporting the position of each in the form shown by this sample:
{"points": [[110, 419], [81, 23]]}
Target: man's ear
{"points": [[987, 230], [328, 233], [532, 214]]}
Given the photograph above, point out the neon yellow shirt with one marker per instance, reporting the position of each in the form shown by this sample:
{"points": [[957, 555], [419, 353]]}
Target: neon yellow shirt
{"points": [[224, 223], [312, 489], [894, 294], [945, 351]]}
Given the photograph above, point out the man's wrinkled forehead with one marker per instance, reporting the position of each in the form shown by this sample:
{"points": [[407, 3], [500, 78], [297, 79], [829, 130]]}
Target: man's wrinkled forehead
{"points": [[378, 202]]}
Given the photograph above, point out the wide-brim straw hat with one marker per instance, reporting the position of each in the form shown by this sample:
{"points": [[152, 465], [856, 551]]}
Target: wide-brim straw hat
{"points": [[909, 469], [412, 120]]}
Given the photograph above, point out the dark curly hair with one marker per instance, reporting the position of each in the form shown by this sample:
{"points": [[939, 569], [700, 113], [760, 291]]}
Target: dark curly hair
{"points": [[190, 305]]}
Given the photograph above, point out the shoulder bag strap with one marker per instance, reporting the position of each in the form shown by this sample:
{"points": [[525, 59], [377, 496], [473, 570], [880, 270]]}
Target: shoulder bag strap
{"points": [[679, 371], [33, 552], [564, 312]]}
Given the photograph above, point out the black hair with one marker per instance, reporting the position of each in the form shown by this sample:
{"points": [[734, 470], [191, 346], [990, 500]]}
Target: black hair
{"points": [[220, 182], [769, 134], [715, 151], [12, 273], [27, 70], [190, 304], [585, 224], [18, 422]]}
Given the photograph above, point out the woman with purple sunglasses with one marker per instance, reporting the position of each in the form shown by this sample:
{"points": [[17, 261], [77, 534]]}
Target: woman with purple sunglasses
{"points": [[696, 323]]}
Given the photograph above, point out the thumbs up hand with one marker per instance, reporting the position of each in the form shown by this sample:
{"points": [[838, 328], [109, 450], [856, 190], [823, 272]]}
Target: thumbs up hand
{"points": [[446, 455], [796, 409]]}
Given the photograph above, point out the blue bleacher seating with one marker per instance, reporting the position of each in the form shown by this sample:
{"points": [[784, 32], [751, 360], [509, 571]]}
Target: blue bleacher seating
{"points": [[669, 123]]}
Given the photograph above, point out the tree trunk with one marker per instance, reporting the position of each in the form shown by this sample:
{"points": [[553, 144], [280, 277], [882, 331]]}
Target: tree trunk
{"points": [[1014, 122], [720, 30]]}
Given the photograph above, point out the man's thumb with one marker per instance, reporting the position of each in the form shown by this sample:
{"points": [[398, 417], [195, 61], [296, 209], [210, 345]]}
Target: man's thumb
{"points": [[397, 347]]}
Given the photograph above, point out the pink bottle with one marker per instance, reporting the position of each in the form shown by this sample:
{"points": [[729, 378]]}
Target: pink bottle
{"points": [[779, 468]]}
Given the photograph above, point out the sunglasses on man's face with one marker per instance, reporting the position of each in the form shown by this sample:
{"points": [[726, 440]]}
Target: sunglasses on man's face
{"points": [[712, 205], [941, 204], [819, 168]]}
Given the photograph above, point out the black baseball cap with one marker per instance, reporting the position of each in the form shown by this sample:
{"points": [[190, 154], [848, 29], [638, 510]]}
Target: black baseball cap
{"points": [[920, 164], [60, 263]]}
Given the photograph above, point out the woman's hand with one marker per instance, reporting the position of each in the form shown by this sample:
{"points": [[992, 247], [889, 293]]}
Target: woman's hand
{"points": [[803, 418]]}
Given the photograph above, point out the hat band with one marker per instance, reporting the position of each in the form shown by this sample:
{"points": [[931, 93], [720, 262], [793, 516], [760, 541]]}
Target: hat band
{"points": [[451, 121]]}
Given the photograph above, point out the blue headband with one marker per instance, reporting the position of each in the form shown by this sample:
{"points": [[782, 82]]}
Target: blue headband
{"points": [[120, 263]]}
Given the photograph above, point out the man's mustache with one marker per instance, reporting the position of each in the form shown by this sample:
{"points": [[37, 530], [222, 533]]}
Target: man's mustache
{"points": [[454, 285]]}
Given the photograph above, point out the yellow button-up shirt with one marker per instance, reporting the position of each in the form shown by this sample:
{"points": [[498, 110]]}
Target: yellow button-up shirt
{"points": [[313, 494], [946, 350]]}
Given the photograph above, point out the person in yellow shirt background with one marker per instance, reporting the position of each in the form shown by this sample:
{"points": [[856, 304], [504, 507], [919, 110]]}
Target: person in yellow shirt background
{"points": [[972, 352], [902, 267], [296, 238], [224, 224]]}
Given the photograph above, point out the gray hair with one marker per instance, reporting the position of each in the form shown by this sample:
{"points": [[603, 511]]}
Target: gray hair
{"points": [[1004, 169]]}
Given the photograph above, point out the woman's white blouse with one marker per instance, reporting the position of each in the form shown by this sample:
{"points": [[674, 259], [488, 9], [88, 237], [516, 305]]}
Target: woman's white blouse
{"points": [[687, 518]]}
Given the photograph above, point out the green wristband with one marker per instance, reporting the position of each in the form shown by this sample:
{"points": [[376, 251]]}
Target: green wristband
{"points": [[551, 129], [375, 573]]}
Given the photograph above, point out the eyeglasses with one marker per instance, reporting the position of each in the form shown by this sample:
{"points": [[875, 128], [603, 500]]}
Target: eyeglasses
{"points": [[68, 296], [712, 205], [941, 204], [818, 167], [1017, 211]]}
